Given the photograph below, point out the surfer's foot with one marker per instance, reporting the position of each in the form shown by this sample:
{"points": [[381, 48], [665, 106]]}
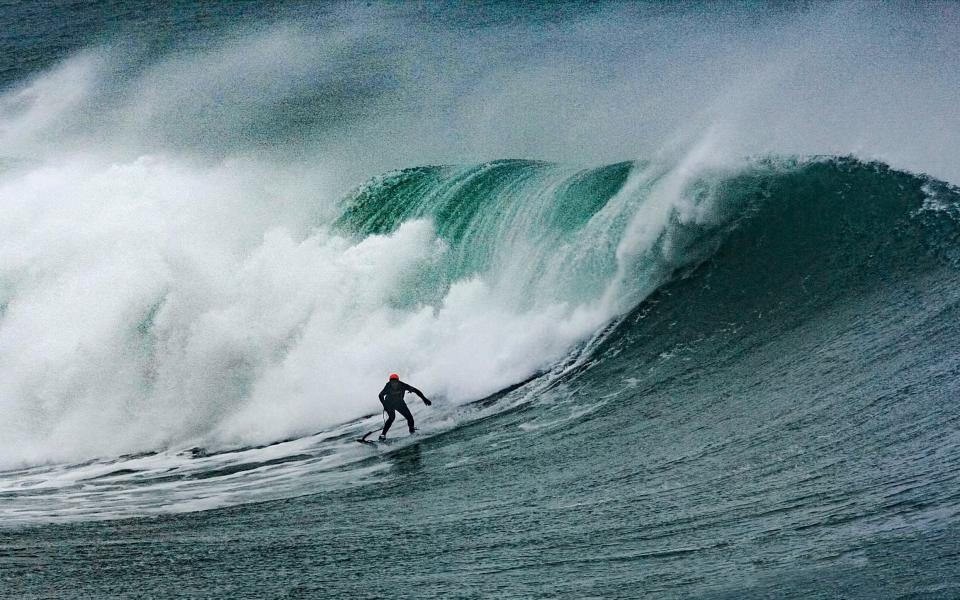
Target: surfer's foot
{"points": [[382, 437]]}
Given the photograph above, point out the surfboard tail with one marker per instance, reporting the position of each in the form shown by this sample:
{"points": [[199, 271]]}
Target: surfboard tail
{"points": [[364, 440]]}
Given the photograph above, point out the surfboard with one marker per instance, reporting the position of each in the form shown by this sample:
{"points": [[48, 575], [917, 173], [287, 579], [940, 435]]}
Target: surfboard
{"points": [[374, 442]]}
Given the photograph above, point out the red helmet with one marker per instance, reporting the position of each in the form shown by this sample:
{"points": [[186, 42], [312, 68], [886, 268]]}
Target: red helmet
{"points": [[394, 376]]}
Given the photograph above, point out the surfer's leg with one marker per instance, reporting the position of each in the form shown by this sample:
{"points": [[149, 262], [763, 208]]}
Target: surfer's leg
{"points": [[405, 411], [391, 415]]}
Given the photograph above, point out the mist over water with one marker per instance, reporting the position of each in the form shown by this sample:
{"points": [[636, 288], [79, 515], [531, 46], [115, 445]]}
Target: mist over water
{"points": [[171, 269], [380, 87]]}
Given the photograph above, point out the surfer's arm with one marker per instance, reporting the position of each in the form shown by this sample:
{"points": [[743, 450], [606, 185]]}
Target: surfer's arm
{"points": [[383, 393], [410, 388]]}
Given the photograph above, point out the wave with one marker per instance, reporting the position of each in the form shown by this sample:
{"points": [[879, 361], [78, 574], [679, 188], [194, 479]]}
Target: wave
{"points": [[493, 214], [151, 325], [481, 277], [809, 235]]}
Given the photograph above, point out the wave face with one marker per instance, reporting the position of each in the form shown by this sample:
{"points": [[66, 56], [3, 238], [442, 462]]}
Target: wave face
{"points": [[539, 233]]}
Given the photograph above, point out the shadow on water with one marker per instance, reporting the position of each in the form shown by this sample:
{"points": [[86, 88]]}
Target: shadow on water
{"points": [[406, 461]]}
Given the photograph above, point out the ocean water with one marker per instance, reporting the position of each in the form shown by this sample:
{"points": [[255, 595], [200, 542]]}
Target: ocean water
{"points": [[683, 283]]}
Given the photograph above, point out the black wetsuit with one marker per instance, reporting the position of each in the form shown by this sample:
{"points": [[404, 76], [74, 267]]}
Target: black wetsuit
{"points": [[392, 399]]}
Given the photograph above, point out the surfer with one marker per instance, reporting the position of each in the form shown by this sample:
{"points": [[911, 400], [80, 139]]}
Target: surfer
{"points": [[392, 399]]}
